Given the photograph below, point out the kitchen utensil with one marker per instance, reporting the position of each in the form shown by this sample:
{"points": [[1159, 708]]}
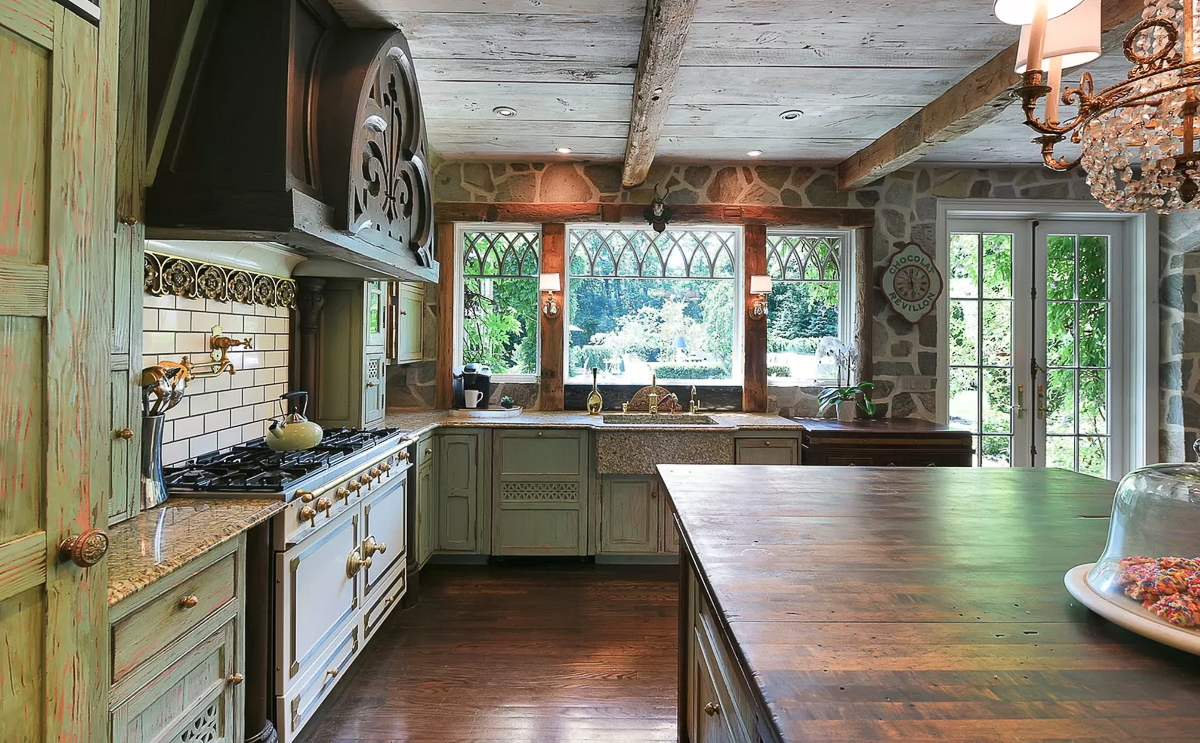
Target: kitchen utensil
{"points": [[292, 431]]}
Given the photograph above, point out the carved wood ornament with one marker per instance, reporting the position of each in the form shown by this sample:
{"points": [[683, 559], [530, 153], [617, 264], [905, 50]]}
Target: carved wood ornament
{"points": [[375, 167]]}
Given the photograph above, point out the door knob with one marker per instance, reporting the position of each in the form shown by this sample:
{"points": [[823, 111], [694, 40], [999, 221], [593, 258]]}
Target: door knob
{"points": [[236, 679], [86, 549]]}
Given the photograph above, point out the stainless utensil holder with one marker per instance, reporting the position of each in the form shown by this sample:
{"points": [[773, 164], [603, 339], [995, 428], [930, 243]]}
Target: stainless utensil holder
{"points": [[154, 490]]}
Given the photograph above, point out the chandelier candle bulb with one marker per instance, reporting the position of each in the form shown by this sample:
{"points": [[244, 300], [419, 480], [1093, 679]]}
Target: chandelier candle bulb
{"points": [[1056, 69], [1037, 35]]}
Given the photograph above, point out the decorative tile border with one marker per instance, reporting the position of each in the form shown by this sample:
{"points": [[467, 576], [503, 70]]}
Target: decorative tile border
{"points": [[183, 277]]}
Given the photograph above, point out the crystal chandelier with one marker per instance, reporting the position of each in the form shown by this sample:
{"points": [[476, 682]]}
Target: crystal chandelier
{"points": [[1138, 136]]}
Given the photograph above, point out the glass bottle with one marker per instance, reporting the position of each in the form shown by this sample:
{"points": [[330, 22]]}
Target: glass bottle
{"points": [[594, 402]]}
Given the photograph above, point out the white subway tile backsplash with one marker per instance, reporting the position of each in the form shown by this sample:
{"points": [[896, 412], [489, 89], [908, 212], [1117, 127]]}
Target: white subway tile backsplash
{"points": [[218, 412]]}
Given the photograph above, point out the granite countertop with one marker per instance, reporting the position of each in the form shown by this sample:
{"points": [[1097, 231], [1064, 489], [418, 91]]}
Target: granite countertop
{"points": [[418, 422], [881, 604], [159, 541]]}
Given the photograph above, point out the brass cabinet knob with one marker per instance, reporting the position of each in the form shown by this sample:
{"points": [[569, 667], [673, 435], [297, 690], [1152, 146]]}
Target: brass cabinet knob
{"points": [[341, 493], [86, 549], [125, 433], [189, 602], [371, 384], [323, 505], [766, 443], [353, 486], [128, 220], [539, 434], [712, 708], [305, 496], [428, 451], [236, 679], [308, 513]]}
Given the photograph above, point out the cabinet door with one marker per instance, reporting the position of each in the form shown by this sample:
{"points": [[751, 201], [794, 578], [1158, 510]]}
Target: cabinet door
{"points": [[375, 314], [125, 438], [458, 475], [426, 530], [191, 700], [374, 387], [708, 717], [384, 521], [408, 330], [540, 493], [629, 513], [670, 528], [767, 451]]}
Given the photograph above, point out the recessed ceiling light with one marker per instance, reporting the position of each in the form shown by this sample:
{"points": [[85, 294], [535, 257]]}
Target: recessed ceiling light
{"points": [[791, 114], [563, 150], [504, 112], [754, 153]]}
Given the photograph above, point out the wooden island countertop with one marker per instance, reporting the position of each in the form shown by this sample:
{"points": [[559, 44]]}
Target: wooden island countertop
{"points": [[887, 604]]}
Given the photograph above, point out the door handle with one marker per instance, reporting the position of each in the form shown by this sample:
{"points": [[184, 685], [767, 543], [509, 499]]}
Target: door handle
{"points": [[1020, 401], [86, 549], [1041, 402]]}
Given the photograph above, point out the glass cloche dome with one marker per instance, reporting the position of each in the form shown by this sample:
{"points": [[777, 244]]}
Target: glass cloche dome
{"points": [[1151, 565]]}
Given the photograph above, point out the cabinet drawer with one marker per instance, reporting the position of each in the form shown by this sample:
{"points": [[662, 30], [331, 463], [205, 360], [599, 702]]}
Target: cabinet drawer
{"points": [[767, 451], [316, 598], [148, 629], [296, 708], [191, 700], [386, 599], [384, 521]]}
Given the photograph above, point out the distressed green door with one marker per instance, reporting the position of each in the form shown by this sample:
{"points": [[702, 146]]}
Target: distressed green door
{"points": [[57, 112]]}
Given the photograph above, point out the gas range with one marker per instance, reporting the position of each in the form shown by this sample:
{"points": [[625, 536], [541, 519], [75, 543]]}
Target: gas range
{"points": [[255, 468]]}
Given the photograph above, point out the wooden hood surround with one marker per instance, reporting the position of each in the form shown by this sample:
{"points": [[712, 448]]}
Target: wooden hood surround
{"points": [[292, 128]]}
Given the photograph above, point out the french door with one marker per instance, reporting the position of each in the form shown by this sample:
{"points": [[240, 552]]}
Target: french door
{"points": [[1035, 323]]}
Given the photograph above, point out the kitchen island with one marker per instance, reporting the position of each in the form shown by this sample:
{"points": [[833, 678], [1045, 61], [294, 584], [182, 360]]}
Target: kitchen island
{"points": [[876, 604]]}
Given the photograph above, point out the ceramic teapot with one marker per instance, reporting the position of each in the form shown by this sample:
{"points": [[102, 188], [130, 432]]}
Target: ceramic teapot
{"points": [[291, 431]]}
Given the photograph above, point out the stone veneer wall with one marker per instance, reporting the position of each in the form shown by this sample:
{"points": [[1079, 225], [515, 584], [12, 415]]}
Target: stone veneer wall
{"points": [[1179, 339], [905, 204]]}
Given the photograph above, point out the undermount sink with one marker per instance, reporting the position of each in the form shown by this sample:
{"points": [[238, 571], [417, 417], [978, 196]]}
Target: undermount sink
{"points": [[660, 419]]}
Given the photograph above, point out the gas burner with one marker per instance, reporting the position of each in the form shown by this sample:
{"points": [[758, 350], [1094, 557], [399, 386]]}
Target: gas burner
{"points": [[255, 467]]}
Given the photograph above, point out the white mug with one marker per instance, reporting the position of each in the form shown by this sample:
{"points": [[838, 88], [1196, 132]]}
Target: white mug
{"points": [[473, 398]]}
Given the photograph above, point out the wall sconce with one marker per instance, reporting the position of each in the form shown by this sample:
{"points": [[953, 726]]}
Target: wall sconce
{"points": [[760, 287], [550, 284]]}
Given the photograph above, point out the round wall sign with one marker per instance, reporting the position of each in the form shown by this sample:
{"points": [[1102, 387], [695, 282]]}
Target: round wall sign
{"points": [[911, 282]]}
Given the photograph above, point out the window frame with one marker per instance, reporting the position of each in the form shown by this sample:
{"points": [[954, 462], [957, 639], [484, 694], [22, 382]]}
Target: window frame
{"points": [[460, 230], [847, 280], [738, 345]]}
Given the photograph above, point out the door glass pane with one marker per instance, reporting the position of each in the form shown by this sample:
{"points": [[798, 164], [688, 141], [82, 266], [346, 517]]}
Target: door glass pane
{"points": [[1060, 267], [996, 451], [1060, 452], [1060, 333], [997, 400], [1093, 401], [964, 399], [964, 331], [1060, 401], [1093, 334], [1093, 267], [997, 333], [1093, 455], [997, 266], [964, 265]]}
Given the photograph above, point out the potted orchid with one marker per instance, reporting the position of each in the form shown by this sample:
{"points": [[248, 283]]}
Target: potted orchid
{"points": [[844, 396]]}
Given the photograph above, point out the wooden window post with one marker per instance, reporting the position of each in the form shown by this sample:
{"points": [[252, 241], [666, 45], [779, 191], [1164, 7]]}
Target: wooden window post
{"points": [[754, 385], [550, 381], [447, 255]]}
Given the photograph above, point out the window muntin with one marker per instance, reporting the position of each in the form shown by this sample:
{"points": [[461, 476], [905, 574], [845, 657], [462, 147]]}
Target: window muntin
{"points": [[810, 295], [641, 302], [499, 299]]}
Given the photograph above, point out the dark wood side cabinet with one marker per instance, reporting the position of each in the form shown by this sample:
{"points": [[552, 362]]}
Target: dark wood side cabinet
{"points": [[890, 442]]}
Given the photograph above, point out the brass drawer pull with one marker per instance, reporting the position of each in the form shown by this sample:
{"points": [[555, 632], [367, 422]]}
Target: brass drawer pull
{"points": [[236, 679], [189, 602], [712, 708], [428, 451]]}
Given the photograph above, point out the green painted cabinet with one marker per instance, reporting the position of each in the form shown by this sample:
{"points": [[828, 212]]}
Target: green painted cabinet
{"points": [[767, 450], [540, 492], [462, 468], [426, 500], [353, 369], [629, 515]]}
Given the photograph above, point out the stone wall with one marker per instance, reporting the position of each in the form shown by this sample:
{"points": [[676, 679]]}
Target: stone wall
{"points": [[905, 204], [1179, 339]]}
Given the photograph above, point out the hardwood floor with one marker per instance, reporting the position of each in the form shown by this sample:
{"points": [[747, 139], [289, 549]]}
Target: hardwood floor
{"points": [[525, 653]]}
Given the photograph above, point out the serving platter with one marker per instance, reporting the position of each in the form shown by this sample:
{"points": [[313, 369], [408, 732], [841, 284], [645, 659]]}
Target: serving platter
{"points": [[1134, 618]]}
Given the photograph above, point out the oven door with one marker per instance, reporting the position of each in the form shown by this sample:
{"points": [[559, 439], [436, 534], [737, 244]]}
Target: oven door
{"points": [[317, 596], [385, 535]]}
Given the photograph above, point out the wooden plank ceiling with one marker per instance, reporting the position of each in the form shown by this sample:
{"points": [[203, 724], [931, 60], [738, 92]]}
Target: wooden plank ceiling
{"points": [[855, 69]]}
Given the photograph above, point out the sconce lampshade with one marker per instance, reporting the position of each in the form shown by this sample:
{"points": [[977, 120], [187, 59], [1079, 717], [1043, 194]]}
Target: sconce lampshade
{"points": [[1074, 37], [760, 284], [1020, 12], [550, 282]]}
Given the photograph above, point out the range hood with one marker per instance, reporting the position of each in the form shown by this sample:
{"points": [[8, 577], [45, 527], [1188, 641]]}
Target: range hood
{"points": [[292, 128]]}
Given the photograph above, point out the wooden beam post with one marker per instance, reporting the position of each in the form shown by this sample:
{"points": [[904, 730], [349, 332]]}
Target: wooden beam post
{"points": [[754, 384], [447, 254], [664, 30], [975, 100], [550, 381]]}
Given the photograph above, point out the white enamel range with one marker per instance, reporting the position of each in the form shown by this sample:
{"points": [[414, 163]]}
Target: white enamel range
{"points": [[340, 549]]}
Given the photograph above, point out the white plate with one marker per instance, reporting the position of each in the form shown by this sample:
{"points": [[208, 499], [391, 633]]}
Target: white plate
{"points": [[1135, 618], [485, 412]]}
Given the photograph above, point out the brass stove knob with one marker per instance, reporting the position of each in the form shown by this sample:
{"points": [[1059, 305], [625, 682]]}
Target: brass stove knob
{"points": [[308, 513], [342, 493], [353, 486], [402, 455], [323, 505], [376, 472], [385, 467], [365, 479], [305, 496]]}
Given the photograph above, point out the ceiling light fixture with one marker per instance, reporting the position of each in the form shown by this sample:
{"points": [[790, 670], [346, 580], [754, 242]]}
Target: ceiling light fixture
{"points": [[563, 150], [791, 114], [754, 153], [1138, 136], [504, 112]]}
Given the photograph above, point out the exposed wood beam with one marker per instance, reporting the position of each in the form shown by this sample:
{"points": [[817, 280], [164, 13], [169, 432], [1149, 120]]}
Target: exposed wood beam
{"points": [[443, 243], [664, 30], [789, 216], [550, 380], [972, 102], [754, 382]]}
